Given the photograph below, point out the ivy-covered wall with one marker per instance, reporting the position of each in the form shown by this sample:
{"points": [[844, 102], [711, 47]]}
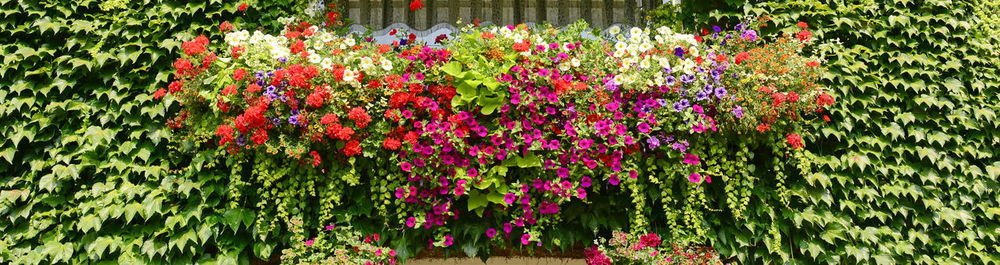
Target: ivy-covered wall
{"points": [[907, 170], [83, 153]]}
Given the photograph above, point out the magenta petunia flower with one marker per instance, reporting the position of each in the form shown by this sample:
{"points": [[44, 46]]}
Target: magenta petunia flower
{"points": [[509, 198], [448, 240], [691, 159], [644, 127], [694, 177], [310, 242], [406, 166], [525, 239], [490, 232]]}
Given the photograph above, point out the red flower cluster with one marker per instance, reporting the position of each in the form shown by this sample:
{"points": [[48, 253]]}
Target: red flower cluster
{"points": [[649, 240], [196, 46], [352, 148], [316, 158], [318, 96], [225, 27], [742, 56], [794, 140], [336, 131], [803, 35], [416, 5], [596, 257], [252, 118], [226, 134], [239, 74], [824, 99], [360, 117]]}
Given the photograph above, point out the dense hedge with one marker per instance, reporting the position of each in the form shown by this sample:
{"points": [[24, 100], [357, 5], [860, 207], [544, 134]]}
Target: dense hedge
{"points": [[908, 171], [83, 155]]}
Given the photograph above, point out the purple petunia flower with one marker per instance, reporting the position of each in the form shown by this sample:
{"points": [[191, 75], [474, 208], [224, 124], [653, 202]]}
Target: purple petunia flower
{"points": [[750, 35], [700, 96], [653, 142], [687, 78], [720, 92], [738, 111], [679, 52]]}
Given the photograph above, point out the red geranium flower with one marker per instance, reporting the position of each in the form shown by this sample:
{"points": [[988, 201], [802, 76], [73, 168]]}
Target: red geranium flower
{"points": [[824, 100], [794, 140], [328, 119], [416, 5], [742, 56], [183, 66], [237, 51], [229, 90], [243, 7], [352, 148], [159, 93], [802, 25], [316, 158], [253, 88], [259, 136], [803, 35], [225, 26], [195, 46], [175, 86], [792, 96], [226, 133], [391, 143], [360, 117], [239, 74]]}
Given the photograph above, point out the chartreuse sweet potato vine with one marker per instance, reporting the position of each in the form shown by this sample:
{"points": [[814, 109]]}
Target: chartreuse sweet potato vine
{"points": [[512, 127]]}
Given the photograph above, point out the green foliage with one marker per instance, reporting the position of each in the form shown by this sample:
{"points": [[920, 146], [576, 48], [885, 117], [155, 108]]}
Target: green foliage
{"points": [[906, 172], [85, 175]]}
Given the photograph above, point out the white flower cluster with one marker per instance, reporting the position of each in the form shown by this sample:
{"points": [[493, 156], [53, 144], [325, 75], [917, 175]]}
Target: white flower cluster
{"points": [[634, 53], [324, 49]]}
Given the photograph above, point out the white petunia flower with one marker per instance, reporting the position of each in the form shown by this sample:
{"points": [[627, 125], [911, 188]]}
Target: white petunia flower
{"points": [[326, 63], [635, 31], [621, 45], [349, 75], [614, 30], [664, 62], [386, 64]]}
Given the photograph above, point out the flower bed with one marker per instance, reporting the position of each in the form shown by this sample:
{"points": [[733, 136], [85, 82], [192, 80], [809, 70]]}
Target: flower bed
{"points": [[509, 126]]}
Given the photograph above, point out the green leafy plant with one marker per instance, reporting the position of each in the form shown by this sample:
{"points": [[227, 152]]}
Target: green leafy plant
{"points": [[86, 170]]}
